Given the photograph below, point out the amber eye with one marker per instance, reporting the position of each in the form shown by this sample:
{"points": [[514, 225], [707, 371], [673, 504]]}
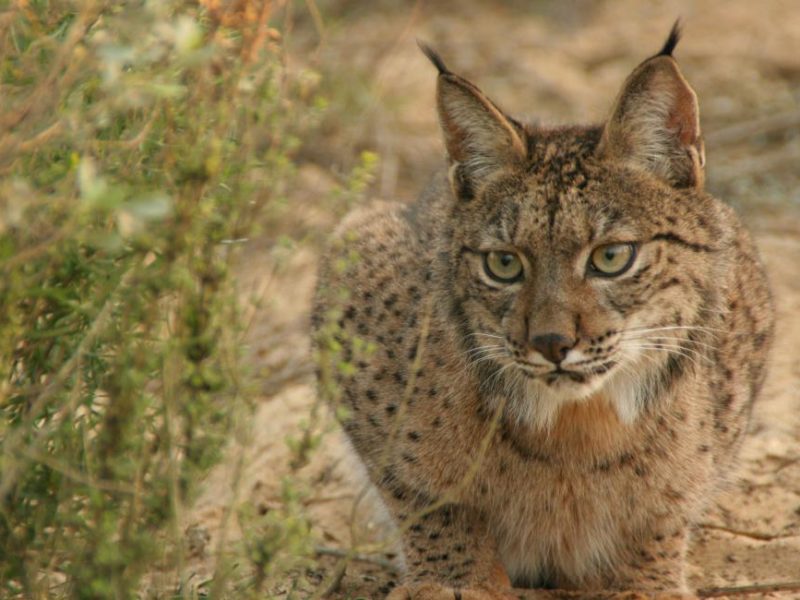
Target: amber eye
{"points": [[504, 267], [612, 259]]}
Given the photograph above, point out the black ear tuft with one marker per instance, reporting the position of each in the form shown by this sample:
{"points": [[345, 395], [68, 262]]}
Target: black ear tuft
{"points": [[672, 40], [434, 57]]}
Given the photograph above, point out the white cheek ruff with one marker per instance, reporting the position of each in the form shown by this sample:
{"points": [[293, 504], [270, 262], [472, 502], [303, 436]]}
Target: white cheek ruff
{"points": [[627, 386], [627, 393], [541, 403]]}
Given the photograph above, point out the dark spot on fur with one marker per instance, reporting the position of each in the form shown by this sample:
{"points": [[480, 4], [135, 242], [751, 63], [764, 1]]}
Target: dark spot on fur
{"points": [[409, 458], [437, 557], [759, 340]]}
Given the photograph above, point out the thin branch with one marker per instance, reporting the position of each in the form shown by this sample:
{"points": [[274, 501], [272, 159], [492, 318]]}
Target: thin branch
{"points": [[747, 590], [332, 583], [373, 559], [221, 568], [137, 139], [293, 371], [64, 469], [316, 17], [753, 535], [40, 138], [787, 462], [326, 499], [28, 254], [61, 72]]}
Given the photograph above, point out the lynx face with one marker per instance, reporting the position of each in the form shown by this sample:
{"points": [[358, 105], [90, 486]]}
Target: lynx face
{"points": [[571, 290], [578, 266]]}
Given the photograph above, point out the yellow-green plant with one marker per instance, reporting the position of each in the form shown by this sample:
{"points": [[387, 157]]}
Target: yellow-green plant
{"points": [[139, 144]]}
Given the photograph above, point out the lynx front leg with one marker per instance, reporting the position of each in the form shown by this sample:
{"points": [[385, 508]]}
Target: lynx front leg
{"points": [[449, 555], [658, 562]]}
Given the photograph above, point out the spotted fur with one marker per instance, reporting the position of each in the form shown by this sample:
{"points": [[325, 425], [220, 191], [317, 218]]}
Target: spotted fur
{"points": [[499, 465]]}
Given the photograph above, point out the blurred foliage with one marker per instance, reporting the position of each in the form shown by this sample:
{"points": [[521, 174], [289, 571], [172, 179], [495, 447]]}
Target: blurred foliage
{"points": [[139, 142]]}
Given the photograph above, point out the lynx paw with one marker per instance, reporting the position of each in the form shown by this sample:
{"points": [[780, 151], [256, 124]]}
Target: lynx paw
{"points": [[435, 591]]}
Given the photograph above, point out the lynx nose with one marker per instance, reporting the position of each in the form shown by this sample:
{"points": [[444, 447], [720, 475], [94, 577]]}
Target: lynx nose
{"points": [[552, 346]]}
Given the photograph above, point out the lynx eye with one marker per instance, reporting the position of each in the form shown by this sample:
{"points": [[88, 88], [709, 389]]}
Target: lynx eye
{"points": [[611, 260], [505, 267]]}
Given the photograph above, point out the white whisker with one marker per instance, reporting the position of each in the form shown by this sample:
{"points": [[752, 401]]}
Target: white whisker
{"points": [[489, 335], [671, 328], [693, 357], [480, 349], [495, 377], [666, 344], [658, 338], [489, 357]]}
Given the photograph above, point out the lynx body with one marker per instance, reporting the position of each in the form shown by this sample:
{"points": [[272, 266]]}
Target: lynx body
{"points": [[554, 352]]}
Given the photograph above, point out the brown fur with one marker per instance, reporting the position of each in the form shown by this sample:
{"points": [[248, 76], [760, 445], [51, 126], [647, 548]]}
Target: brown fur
{"points": [[496, 466]]}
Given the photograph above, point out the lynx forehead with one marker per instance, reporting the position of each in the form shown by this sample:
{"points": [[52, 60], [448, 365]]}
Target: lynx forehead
{"points": [[554, 352]]}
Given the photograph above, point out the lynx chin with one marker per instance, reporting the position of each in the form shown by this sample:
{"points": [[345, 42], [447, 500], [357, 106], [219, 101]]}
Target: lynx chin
{"points": [[547, 362]]}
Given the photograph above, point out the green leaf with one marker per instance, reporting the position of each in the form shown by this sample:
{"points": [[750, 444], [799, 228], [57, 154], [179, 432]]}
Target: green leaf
{"points": [[153, 206]]}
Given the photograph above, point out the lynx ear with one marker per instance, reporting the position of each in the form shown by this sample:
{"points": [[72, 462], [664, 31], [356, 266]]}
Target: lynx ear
{"points": [[478, 136], [655, 124]]}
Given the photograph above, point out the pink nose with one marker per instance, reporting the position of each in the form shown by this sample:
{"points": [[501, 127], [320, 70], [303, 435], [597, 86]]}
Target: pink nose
{"points": [[552, 346]]}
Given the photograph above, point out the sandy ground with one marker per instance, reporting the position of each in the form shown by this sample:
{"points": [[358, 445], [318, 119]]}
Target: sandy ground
{"points": [[556, 62]]}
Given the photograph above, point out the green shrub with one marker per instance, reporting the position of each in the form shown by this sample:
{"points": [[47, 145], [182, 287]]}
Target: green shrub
{"points": [[138, 143]]}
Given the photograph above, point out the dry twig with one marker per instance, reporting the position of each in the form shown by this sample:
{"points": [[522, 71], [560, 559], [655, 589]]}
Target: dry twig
{"points": [[753, 535], [384, 563], [747, 590]]}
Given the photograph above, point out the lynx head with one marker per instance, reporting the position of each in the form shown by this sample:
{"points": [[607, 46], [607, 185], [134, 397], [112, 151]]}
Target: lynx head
{"points": [[580, 260]]}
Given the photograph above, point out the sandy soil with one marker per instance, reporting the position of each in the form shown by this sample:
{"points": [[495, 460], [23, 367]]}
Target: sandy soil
{"points": [[556, 62]]}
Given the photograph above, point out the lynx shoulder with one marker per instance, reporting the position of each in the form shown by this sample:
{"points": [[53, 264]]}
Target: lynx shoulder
{"points": [[547, 363]]}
